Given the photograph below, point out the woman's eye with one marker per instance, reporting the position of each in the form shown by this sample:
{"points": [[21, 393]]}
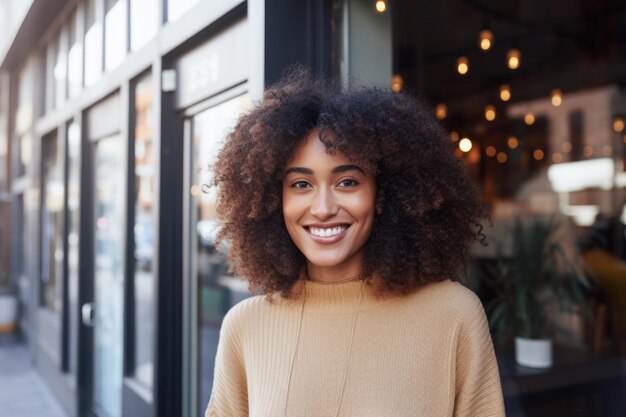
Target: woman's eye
{"points": [[300, 184], [348, 183]]}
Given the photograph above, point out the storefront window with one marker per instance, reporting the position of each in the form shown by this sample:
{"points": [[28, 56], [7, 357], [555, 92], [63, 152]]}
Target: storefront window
{"points": [[217, 290], [72, 230], [24, 117], [52, 56], [144, 22], [74, 57], [145, 201], [52, 223], [115, 33], [93, 44], [60, 72], [177, 8]]}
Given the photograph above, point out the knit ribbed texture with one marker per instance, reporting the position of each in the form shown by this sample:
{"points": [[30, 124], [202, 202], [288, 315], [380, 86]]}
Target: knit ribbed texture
{"points": [[427, 354]]}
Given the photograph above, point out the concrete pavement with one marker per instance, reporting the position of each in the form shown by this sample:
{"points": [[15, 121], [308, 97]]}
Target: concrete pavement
{"points": [[22, 391]]}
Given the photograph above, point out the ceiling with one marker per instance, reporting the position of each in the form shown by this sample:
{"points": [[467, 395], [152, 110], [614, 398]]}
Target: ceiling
{"points": [[565, 44]]}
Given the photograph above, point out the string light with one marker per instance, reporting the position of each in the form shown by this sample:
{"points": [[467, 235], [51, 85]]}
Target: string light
{"points": [[454, 136], [465, 145], [618, 125], [397, 82], [538, 154], [529, 119], [485, 39], [557, 158], [512, 142], [513, 58], [381, 6], [556, 97], [462, 65], [505, 92], [566, 147], [490, 113], [491, 151], [441, 111], [587, 150], [502, 157]]}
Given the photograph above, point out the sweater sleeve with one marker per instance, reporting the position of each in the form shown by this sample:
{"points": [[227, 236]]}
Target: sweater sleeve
{"points": [[477, 383], [229, 397]]}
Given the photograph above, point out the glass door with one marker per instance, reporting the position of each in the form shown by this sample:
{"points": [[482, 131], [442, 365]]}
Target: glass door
{"points": [[108, 267], [212, 290]]}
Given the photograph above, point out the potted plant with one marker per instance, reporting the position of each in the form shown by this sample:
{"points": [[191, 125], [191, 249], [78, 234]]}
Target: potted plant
{"points": [[529, 281], [8, 305]]}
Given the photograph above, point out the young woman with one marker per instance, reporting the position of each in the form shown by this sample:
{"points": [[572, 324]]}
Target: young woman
{"points": [[349, 211]]}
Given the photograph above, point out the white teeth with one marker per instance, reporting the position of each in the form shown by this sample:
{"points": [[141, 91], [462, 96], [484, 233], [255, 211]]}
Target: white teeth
{"points": [[332, 231]]}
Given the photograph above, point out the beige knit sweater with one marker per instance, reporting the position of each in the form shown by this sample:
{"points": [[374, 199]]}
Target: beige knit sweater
{"points": [[427, 354]]}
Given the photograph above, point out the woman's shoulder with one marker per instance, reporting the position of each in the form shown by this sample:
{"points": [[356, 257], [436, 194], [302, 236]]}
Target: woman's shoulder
{"points": [[448, 297]]}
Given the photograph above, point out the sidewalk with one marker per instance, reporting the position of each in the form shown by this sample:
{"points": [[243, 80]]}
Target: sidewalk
{"points": [[22, 391]]}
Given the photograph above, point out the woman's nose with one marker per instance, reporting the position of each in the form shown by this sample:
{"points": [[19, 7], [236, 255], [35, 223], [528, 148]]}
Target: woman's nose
{"points": [[323, 205]]}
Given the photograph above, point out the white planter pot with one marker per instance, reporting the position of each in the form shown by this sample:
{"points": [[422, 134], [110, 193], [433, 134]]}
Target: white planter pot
{"points": [[8, 310], [533, 353]]}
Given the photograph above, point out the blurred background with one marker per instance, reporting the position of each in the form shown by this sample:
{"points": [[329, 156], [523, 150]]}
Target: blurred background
{"points": [[111, 111]]}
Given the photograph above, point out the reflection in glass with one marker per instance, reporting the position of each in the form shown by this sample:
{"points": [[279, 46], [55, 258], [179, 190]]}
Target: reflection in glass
{"points": [[177, 8], [59, 73], [52, 223], [74, 58], [93, 45], [109, 274], [73, 221], [115, 33], [52, 53], [144, 232], [24, 117], [144, 22], [217, 290]]}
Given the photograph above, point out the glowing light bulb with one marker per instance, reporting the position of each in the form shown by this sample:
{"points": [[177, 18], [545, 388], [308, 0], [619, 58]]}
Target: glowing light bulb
{"points": [[490, 113], [397, 82], [566, 147], [462, 65], [618, 125], [491, 151], [485, 39], [587, 150], [512, 142], [529, 119], [465, 144], [381, 6], [513, 58], [502, 157], [441, 111], [454, 136], [557, 158], [505, 92], [538, 154], [556, 97]]}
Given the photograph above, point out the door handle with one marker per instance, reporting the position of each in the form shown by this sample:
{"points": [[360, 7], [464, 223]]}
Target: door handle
{"points": [[88, 314]]}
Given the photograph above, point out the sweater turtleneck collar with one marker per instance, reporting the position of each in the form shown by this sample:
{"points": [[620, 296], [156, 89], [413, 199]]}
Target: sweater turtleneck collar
{"points": [[337, 298]]}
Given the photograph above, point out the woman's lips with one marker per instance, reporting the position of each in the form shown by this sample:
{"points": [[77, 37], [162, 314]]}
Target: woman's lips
{"points": [[327, 240]]}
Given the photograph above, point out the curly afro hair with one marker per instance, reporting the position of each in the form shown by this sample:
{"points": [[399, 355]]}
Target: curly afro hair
{"points": [[427, 210]]}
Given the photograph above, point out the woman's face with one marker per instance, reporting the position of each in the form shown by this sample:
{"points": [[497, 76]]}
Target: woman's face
{"points": [[328, 207]]}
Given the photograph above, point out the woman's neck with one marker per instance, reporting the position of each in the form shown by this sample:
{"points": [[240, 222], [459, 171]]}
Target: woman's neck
{"points": [[334, 274]]}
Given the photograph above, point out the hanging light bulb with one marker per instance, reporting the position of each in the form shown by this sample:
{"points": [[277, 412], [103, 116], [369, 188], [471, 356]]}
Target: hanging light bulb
{"points": [[502, 157], [512, 142], [485, 39], [397, 82], [441, 111], [381, 6], [529, 119], [465, 145], [538, 154], [505, 92], [556, 97], [462, 65], [491, 151], [618, 125], [513, 58], [490, 113]]}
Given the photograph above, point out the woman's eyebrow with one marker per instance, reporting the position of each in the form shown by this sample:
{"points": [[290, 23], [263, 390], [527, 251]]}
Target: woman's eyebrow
{"points": [[300, 170], [344, 168]]}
